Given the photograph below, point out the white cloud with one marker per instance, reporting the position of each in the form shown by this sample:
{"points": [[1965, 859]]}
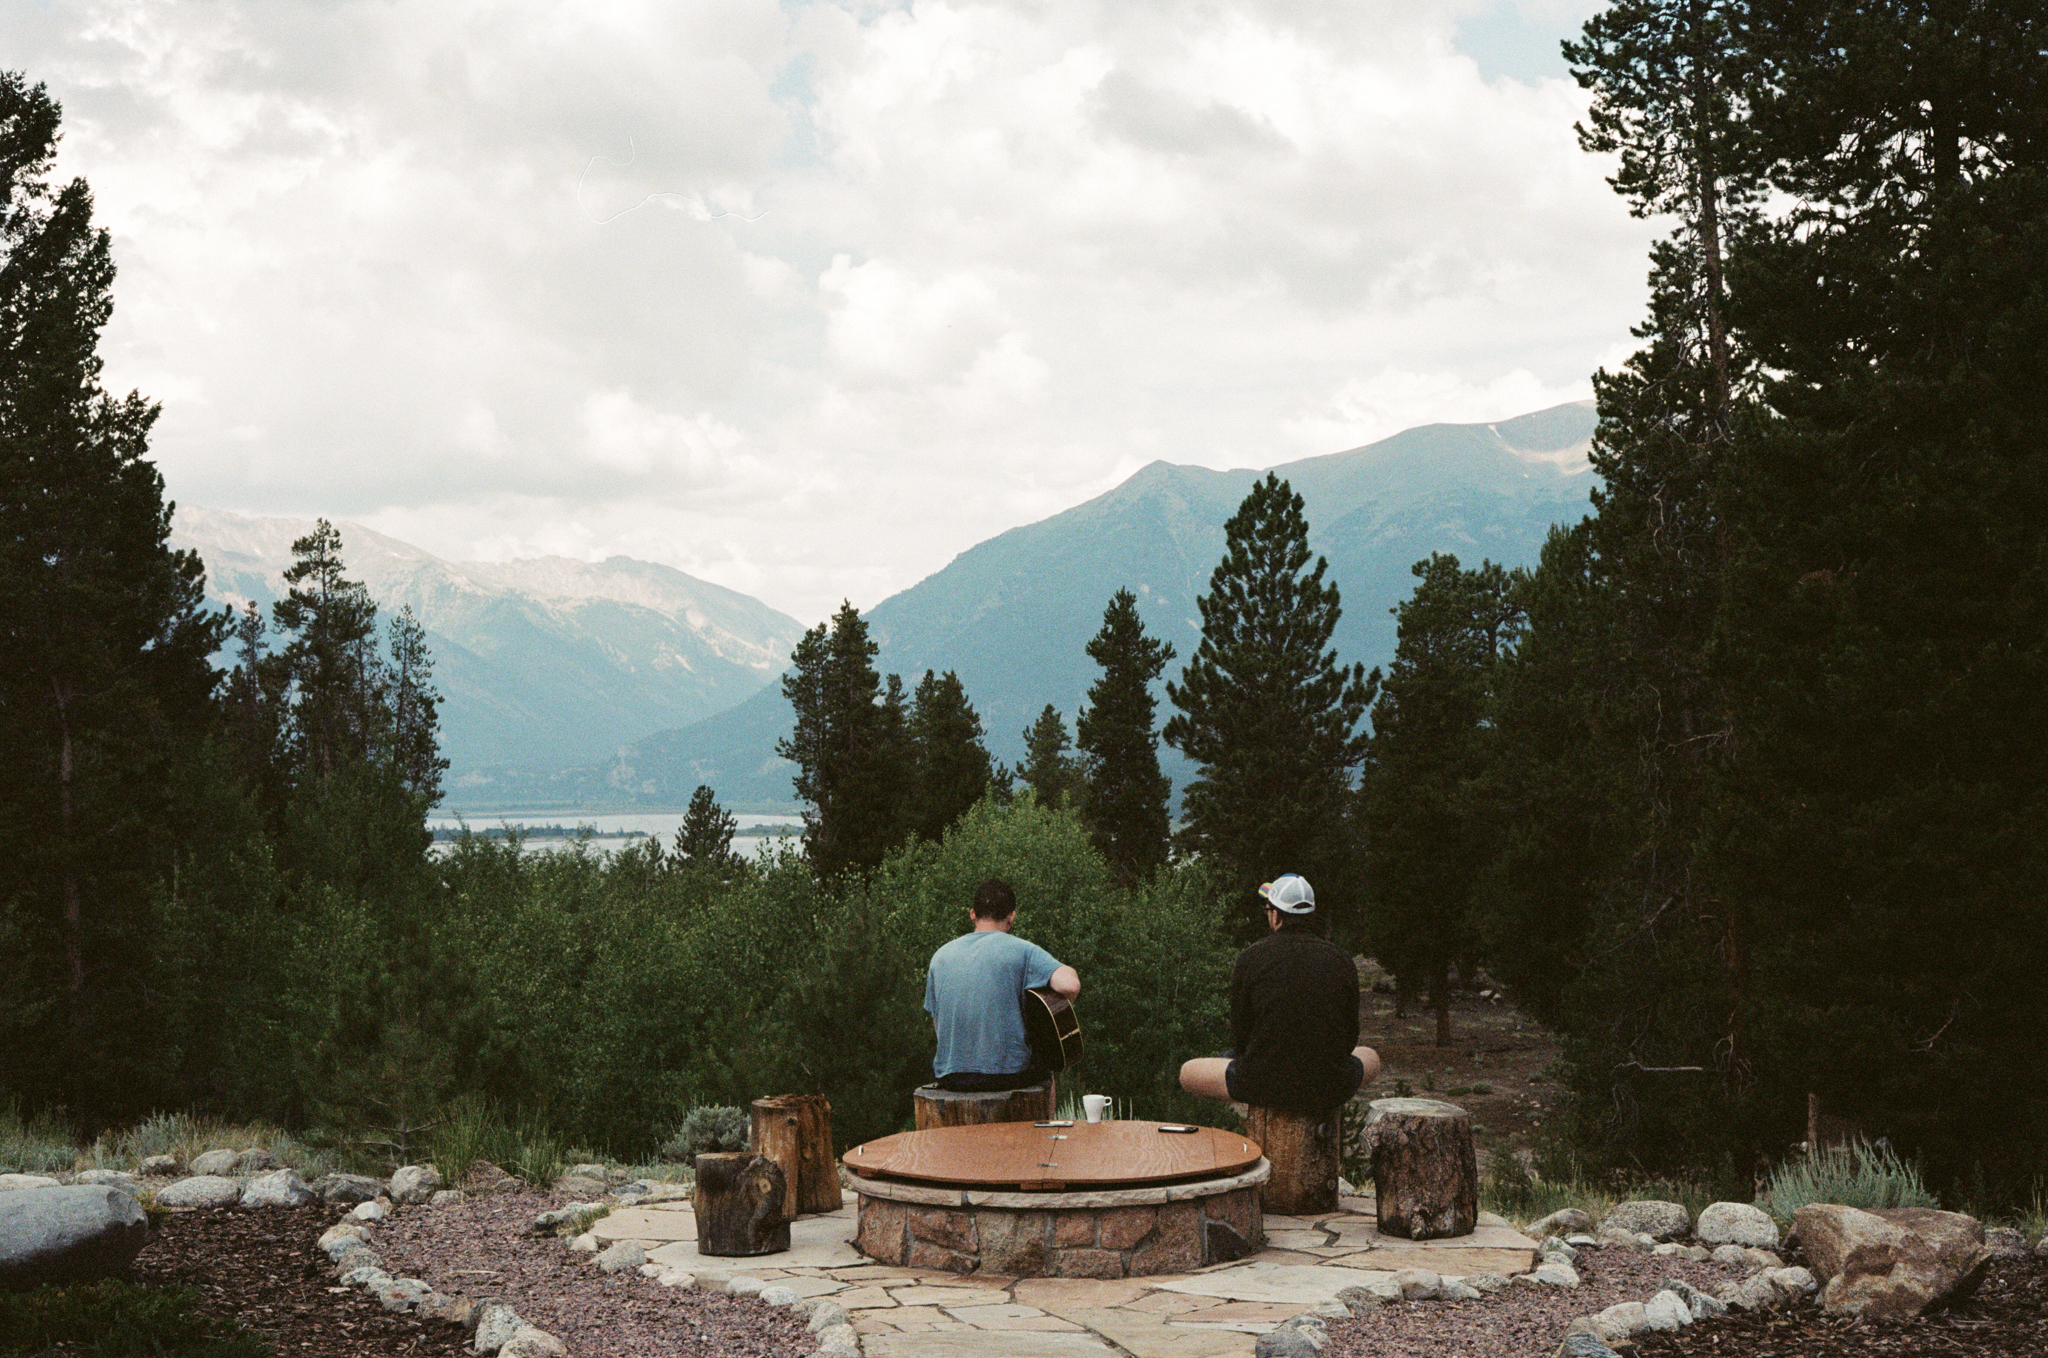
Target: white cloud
{"points": [[808, 297]]}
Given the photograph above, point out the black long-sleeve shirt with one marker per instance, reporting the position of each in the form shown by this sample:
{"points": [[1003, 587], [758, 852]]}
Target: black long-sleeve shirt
{"points": [[1293, 1023]]}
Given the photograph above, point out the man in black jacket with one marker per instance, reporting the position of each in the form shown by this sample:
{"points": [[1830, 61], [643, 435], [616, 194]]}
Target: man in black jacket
{"points": [[1293, 1016]]}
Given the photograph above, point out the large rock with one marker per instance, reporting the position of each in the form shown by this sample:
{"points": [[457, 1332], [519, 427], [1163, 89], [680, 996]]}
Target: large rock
{"points": [[415, 1184], [341, 1190], [1563, 1221], [15, 1183], [1893, 1263], [215, 1162], [279, 1188], [1737, 1223], [495, 1323], [1661, 1221], [201, 1190], [256, 1160], [161, 1166], [68, 1234]]}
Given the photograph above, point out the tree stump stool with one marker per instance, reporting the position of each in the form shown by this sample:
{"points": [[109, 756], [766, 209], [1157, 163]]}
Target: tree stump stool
{"points": [[795, 1131], [738, 1199], [1303, 1149], [938, 1107], [1424, 1170]]}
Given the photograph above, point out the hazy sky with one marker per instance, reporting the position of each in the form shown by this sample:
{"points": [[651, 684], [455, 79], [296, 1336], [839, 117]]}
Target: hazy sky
{"points": [[807, 297]]}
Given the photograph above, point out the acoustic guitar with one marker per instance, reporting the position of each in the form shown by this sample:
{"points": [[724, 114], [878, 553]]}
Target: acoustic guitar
{"points": [[1051, 1028]]}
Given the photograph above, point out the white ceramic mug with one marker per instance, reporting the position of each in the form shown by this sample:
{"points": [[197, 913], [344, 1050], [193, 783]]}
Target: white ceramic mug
{"points": [[1094, 1104]]}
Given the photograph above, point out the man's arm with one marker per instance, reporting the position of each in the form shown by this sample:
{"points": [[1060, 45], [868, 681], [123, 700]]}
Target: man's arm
{"points": [[1066, 981]]}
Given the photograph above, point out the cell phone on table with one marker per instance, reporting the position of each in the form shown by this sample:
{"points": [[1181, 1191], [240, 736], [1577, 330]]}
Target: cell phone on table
{"points": [[1177, 1127]]}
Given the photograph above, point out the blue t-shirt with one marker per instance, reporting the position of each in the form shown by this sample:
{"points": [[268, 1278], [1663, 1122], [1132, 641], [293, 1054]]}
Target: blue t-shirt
{"points": [[971, 993]]}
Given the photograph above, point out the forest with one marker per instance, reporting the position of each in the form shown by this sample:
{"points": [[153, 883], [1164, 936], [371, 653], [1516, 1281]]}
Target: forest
{"points": [[1741, 789]]}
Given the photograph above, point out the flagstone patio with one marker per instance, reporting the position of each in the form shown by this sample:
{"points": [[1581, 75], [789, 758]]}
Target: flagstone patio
{"points": [[1213, 1313]]}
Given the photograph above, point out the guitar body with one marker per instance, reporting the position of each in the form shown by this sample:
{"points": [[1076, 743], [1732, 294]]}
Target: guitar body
{"points": [[1051, 1027]]}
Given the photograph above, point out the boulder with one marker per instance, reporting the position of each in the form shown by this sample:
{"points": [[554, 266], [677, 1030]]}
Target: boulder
{"points": [[828, 1314], [1620, 1321], [1666, 1311], [69, 1234], [1661, 1221], [1737, 1223], [279, 1188], [118, 1178], [589, 1171], [342, 1190], [256, 1160], [1892, 1263], [1563, 1221], [415, 1184], [1699, 1303], [620, 1257], [374, 1210], [580, 1185], [215, 1162], [341, 1237], [1289, 1341], [533, 1343], [1583, 1345], [495, 1323], [2004, 1242], [1555, 1273], [401, 1294], [201, 1190], [446, 1197], [1418, 1284], [454, 1308], [15, 1183], [160, 1167]]}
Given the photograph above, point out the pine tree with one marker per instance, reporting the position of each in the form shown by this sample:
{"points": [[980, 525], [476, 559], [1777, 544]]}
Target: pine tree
{"points": [[1049, 771], [1268, 714], [952, 767], [1126, 793], [105, 686], [704, 839], [850, 746], [1428, 823]]}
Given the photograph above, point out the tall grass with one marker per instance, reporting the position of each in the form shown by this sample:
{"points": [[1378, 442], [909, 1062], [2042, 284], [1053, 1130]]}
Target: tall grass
{"points": [[37, 1145], [1859, 1174], [522, 1144]]}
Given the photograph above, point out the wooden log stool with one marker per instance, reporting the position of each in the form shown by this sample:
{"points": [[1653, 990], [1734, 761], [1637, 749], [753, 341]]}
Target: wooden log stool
{"points": [[938, 1107], [795, 1131], [738, 1199], [1303, 1149], [1424, 1170]]}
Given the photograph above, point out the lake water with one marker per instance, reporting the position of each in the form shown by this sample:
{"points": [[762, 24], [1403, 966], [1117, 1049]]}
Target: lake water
{"points": [[613, 831]]}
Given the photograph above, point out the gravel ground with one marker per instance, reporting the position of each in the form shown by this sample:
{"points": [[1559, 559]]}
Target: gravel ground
{"points": [[476, 1248], [262, 1269], [1518, 1322]]}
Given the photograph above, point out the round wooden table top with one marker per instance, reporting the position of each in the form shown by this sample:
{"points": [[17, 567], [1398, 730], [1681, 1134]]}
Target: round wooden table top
{"points": [[1032, 1158]]}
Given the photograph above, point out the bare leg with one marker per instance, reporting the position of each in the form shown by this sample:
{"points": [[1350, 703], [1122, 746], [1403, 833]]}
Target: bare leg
{"points": [[1367, 1057], [1204, 1076]]}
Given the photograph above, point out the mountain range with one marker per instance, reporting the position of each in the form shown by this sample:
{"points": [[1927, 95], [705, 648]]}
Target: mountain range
{"points": [[1011, 615], [544, 663]]}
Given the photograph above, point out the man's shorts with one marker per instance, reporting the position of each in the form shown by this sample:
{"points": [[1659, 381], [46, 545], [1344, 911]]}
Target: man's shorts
{"points": [[1351, 1060]]}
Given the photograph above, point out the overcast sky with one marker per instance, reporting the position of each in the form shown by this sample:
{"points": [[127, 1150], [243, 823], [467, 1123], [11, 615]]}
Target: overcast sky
{"points": [[807, 297]]}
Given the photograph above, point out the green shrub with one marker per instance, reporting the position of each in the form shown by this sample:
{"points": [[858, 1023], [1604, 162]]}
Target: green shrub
{"points": [[707, 1128], [116, 1319], [35, 1145], [1859, 1174]]}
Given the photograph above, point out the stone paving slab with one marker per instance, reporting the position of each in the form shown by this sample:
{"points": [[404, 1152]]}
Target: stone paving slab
{"points": [[1148, 1336], [645, 1224], [1301, 1285], [991, 1343], [1449, 1263]]}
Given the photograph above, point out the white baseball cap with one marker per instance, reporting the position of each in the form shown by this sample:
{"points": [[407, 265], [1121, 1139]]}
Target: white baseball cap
{"points": [[1290, 894]]}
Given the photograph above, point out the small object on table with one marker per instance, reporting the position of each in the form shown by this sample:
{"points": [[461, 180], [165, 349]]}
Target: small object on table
{"points": [[795, 1131], [1424, 1169], [738, 1200]]}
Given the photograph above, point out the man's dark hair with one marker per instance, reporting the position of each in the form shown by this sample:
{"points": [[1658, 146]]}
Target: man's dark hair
{"points": [[1301, 924], [994, 900]]}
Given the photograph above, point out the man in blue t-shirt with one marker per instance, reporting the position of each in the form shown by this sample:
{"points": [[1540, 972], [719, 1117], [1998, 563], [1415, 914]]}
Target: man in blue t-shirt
{"points": [[972, 993]]}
